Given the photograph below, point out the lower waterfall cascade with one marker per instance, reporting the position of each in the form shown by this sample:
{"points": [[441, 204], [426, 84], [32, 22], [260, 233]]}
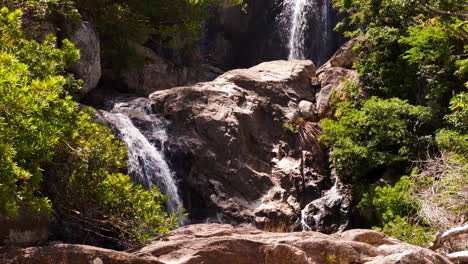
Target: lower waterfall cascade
{"points": [[146, 163]]}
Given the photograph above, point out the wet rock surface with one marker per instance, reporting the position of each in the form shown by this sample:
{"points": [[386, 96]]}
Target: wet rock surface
{"points": [[216, 243], [245, 165]]}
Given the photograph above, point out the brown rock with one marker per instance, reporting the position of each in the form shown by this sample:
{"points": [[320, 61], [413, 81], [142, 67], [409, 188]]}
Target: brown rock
{"points": [[214, 244], [20, 232], [70, 254]]}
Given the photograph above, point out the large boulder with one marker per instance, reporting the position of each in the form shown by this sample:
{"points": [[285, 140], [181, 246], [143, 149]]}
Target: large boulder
{"points": [[335, 74], [88, 67], [214, 243], [247, 163]]}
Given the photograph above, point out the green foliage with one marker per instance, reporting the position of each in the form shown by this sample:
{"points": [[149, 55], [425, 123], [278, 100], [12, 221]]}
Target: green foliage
{"points": [[391, 202], [411, 53], [53, 156], [397, 208], [122, 24], [44, 9], [458, 118], [416, 52], [451, 140], [430, 50], [383, 133], [406, 230], [30, 127], [455, 137], [382, 67], [351, 91], [62, 13]]}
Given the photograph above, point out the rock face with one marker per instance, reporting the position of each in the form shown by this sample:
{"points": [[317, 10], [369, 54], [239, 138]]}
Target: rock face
{"points": [[88, 68], [335, 74], [242, 37], [215, 244], [157, 73], [251, 159], [332, 79], [346, 55]]}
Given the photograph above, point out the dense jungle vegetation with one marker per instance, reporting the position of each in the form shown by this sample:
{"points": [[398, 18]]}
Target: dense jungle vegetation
{"points": [[55, 159], [406, 121]]}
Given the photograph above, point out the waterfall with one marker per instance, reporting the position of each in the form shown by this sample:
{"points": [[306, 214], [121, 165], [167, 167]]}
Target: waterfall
{"points": [[146, 164], [307, 29], [298, 28]]}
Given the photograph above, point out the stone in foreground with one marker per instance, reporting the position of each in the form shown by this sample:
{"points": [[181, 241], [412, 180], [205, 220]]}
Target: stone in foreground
{"points": [[225, 244], [216, 243]]}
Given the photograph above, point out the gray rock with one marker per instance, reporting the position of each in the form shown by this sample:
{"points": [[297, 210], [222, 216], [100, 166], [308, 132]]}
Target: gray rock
{"points": [[88, 68], [308, 110], [346, 55], [332, 79], [157, 73]]}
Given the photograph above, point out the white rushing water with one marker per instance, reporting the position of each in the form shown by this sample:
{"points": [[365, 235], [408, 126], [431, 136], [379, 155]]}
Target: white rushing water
{"points": [[298, 27], [304, 224], [306, 27], [146, 164]]}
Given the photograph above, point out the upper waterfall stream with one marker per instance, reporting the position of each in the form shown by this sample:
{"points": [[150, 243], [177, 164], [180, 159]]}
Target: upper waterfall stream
{"points": [[306, 25]]}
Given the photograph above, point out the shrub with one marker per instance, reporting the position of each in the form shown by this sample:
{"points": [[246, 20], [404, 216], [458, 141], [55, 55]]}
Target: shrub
{"points": [[383, 133], [398, 210], [53, 156]]}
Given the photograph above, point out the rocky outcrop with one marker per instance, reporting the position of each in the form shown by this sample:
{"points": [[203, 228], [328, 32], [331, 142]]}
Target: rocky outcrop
{"points": [[251, 159], [157, 73], [332, 79], [346, 55], [335, 74], [216, 243], [88, 67], [70, 254], [213, 244]]}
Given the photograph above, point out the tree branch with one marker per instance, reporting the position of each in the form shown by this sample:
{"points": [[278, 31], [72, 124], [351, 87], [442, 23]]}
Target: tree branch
{"points": [[442, 238], [442, 12]]}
